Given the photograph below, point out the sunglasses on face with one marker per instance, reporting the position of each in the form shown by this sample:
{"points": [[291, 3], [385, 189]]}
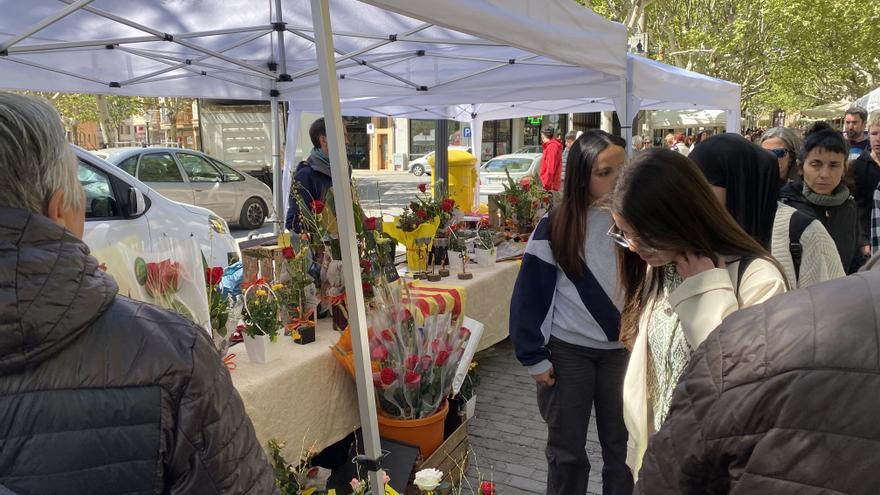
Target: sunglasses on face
{"points": [[779, 152]]}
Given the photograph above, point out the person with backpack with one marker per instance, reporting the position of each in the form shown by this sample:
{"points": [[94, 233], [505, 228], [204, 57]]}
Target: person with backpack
{"points": [[564, 322], [745, 178], [685, 265], [312, 176], [822, 194]]}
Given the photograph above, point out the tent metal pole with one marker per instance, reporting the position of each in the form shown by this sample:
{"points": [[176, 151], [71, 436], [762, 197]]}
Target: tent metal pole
{"points": [[441, 157], [496, 60], [60, 46], [477, 73], [44, 23], [282, 53], [165, 60], [347, 241], [56, 70], [196, 60], [277, 173], [162, 36], [366, 49]]}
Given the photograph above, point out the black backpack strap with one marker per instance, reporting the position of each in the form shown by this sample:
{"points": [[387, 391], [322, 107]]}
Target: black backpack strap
{"points": [[797, 224], [741, 270]]}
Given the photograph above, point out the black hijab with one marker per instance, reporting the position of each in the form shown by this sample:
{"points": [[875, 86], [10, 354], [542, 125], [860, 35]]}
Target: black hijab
{"points": [[751, 176]]}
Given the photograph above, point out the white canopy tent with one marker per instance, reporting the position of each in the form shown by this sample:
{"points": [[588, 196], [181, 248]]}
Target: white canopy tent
{"points": [[830, 111], [250, 49], [870, 102], [688, 118], [651, 85]]}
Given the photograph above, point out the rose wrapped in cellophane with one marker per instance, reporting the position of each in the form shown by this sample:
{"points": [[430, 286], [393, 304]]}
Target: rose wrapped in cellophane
{"points": [[414, 365]]}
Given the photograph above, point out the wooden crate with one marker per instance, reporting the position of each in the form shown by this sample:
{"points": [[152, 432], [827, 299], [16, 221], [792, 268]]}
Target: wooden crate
{"points": [[261, 261], [451, 457]]}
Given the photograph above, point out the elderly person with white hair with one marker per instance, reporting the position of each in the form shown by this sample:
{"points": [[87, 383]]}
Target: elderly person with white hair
{"points": [[99, 393]]}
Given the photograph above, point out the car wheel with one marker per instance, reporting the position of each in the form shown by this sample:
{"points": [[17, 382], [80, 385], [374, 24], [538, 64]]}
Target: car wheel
{"points": [[417, 170], [253, 214]]}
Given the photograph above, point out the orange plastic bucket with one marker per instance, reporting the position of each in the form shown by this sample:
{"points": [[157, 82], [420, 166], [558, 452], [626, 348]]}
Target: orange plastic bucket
{"points": [[426, 433]]}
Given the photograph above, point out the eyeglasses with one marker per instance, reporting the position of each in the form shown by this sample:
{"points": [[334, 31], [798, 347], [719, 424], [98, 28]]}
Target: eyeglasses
{"points": [[620, 238], [779, 152]]}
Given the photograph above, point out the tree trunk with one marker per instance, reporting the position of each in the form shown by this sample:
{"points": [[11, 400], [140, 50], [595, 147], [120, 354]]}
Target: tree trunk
{"points": [[607, 122], [109, 136]]}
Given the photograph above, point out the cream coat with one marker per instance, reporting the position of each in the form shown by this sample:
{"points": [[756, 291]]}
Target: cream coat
{"points": [[701, 303]]}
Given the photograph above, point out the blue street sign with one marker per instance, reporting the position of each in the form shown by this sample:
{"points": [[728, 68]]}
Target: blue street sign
{"points": [[466, 132]]}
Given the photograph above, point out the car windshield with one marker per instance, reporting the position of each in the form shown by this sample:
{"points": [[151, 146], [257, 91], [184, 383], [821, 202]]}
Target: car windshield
{"points": [[509, 164]]}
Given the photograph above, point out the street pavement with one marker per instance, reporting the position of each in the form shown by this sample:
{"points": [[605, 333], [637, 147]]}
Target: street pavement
{"points": [[507, 434]]}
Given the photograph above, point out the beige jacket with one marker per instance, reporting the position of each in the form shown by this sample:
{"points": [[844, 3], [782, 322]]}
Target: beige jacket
{"points": [[701, 303]]}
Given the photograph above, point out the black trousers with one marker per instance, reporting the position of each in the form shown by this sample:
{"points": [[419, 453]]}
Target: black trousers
{"points": [[585, 377]]}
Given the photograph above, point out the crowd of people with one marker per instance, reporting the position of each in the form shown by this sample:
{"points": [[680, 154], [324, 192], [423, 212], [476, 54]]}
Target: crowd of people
{"points": [[706, 377]]}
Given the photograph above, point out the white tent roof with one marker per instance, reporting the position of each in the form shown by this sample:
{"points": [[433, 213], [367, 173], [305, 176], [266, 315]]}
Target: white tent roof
{"points": [[870, 102], [831, 111], [688, 118], [221, 48]]}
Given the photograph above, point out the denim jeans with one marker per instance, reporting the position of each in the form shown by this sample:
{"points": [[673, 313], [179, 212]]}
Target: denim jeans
{"points": [[585, 377]]}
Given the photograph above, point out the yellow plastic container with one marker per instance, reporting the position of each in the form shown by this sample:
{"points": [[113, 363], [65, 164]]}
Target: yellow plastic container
{"points": [[462, 178]]}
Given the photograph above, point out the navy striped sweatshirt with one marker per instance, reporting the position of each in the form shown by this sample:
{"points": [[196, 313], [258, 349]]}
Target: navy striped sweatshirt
{"points": [[583, 310]]}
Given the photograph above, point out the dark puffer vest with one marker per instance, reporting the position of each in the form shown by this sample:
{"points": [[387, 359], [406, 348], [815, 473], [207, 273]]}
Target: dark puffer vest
{"points": [[102, 394], [781, 398]]}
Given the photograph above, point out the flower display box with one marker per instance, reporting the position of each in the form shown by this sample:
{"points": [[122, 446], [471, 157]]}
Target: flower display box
{"points": [[451, 457], [304, 334], [261, 261]]}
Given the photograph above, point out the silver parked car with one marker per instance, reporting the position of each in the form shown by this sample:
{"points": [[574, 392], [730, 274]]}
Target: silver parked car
{"points": [[519, 165], [192, 177]]}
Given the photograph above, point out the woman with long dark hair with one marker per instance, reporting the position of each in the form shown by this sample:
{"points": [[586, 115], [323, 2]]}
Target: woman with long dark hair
{"points": [[565, 322], [745, 178], [684, 266]]}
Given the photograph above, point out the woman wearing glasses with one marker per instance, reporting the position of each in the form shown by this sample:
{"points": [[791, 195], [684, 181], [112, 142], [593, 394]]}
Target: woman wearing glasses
{"points": [[745, 179], [565, 322], [684, 266], [784, 143]]}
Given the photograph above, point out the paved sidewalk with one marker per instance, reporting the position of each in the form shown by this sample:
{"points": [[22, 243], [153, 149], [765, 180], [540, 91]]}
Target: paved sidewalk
{"points": [[508, 435]]}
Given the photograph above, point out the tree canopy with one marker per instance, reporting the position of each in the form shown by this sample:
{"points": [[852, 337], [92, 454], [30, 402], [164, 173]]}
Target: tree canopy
{"points": [[789, 54]]}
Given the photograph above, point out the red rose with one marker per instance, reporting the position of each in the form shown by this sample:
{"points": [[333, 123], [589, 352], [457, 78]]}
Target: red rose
{"points": [[387, 376], [513, 200], [487, 488], [412, 379], [387, 335], [422, 187], [426, 362], [413, 206], [534, 204], [422, 214], [464, 333], [546, 200], [379, 353], [526, 184], [448, 205], [367, 288], [288, 253], [366, 265], [317, 206], [435, 346], [411, 362], [442, 357], [370, 223], [213, 275]]}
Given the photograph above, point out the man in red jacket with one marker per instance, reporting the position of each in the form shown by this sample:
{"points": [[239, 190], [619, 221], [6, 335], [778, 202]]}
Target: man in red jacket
{"points": [[551, 160]]}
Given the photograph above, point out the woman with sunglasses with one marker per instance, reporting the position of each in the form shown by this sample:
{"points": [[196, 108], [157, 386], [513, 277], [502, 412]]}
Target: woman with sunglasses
{"points": [[684, 266], [565, 322], [784, 143], [745, 178]]}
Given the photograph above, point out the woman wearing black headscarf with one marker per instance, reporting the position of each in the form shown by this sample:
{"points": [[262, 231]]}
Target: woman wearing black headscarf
{"points": [[745, 178]]}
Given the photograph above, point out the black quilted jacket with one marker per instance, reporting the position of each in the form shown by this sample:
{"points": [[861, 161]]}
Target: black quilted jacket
{"points": [[781, 398], [101, 394]]}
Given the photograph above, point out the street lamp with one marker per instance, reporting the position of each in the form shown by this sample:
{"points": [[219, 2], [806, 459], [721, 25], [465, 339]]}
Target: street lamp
{"points": [[148, 119]]}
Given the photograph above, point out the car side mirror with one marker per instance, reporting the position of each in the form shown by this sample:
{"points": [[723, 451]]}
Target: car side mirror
{"points": [[137, 205], [225, 178]]}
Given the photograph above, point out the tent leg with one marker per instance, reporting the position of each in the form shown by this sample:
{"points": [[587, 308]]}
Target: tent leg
{"points": [[347, 241], [277, 173]]}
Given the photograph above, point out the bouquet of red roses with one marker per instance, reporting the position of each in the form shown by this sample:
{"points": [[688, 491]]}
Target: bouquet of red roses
{"points": [[415, 364]]}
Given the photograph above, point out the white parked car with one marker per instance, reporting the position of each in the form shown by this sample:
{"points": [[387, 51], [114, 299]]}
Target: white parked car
{"points": [[192, 177], [519, 165], [119, 207], [420, 166]]}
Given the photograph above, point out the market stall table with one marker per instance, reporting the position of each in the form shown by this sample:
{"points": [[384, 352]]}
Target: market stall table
{"points": [[303, 396]]}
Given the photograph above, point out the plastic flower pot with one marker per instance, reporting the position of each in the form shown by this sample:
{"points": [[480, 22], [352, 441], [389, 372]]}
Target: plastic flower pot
{"points": [[259, 348], [306, 334], [486, 257], [470, 407], [425, 433]]}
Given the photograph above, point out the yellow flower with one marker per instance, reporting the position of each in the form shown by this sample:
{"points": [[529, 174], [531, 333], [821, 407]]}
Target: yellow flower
{"points": [[262, 293], [473, 365], [277, 287]]}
